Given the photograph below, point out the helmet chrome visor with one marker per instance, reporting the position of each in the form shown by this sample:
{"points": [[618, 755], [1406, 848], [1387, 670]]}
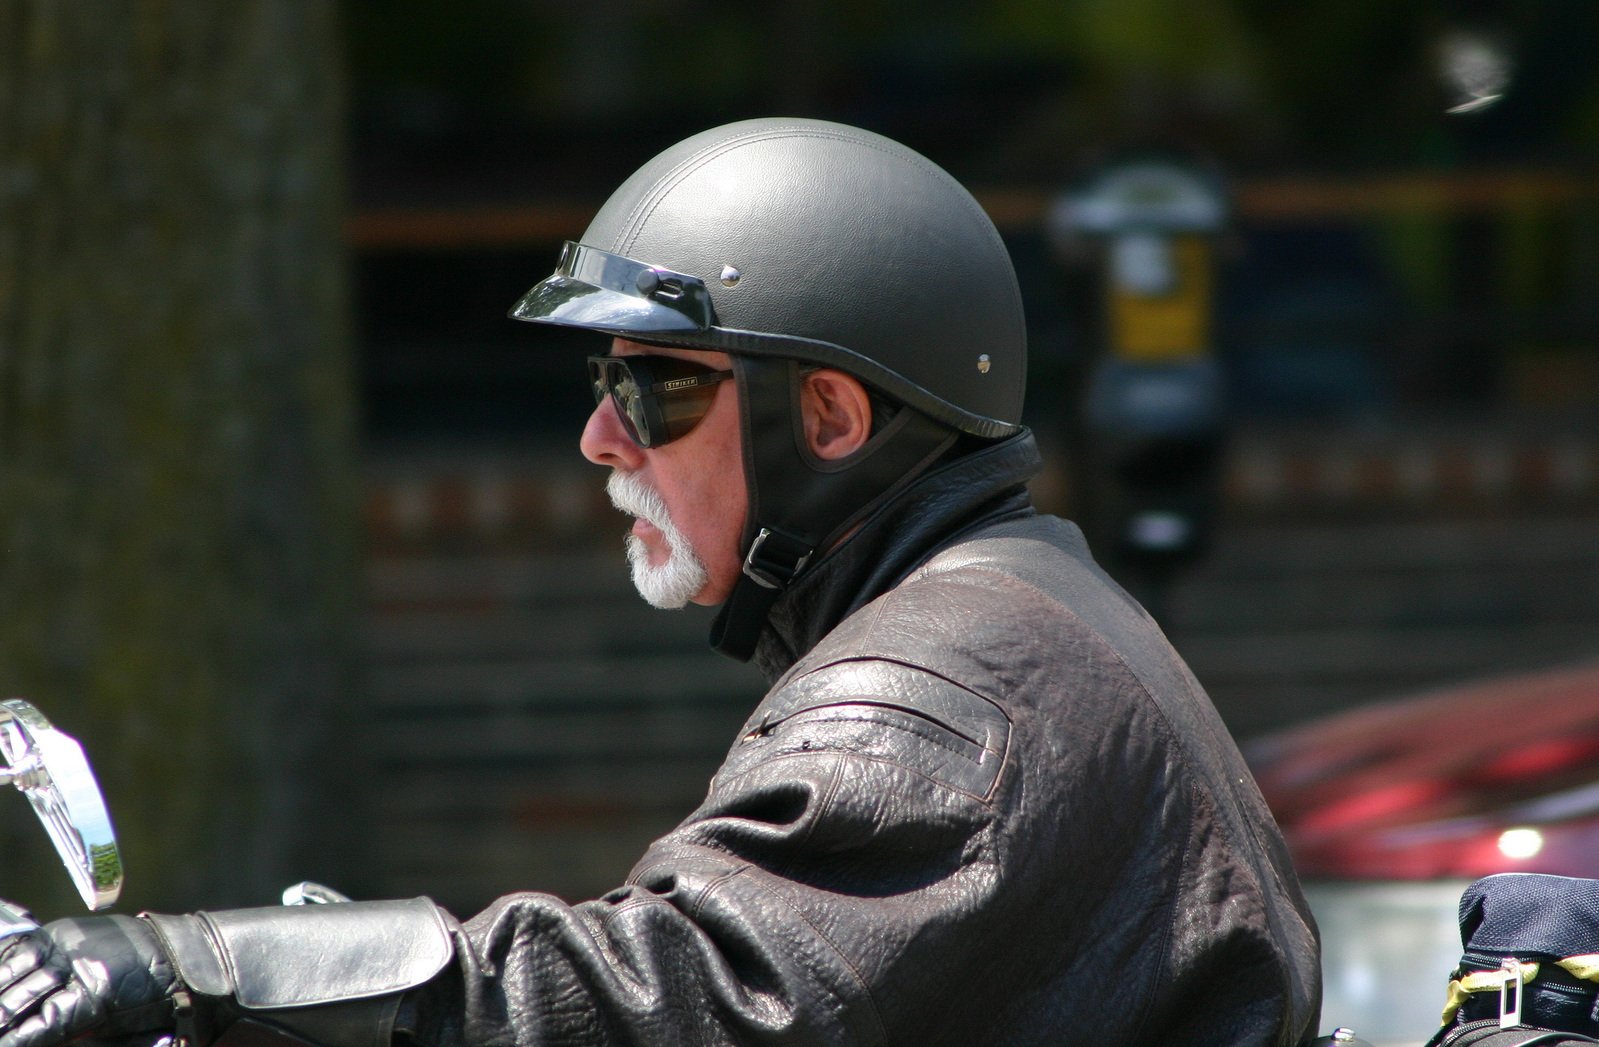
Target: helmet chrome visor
{"points": [[606, 292]]}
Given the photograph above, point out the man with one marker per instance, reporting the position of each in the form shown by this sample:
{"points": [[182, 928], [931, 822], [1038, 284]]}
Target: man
{"points": [[983, 802]]}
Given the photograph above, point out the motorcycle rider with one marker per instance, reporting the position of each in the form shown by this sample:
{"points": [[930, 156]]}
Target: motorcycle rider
{"points": [[983, 801]]}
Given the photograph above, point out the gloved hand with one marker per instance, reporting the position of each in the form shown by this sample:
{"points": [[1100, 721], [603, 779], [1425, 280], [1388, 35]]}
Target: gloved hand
{"points": [[101, 975], [334, 975]]}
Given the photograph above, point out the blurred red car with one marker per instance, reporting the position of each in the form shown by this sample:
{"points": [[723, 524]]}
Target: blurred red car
{"points": [[1496, 776]]}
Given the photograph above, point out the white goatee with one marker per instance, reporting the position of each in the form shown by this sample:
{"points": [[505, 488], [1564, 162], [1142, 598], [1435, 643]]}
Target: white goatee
{"points": [[667, 585]]}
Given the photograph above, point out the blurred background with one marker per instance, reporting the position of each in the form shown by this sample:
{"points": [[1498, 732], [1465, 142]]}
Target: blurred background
{"points": [[295, 537]]}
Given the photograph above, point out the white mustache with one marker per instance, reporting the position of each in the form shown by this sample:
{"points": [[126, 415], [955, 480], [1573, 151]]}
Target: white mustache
{"points": [[633, 496]]}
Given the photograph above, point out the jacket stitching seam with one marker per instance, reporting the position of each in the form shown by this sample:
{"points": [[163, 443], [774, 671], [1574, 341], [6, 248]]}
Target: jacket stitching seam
{"points": [[915, 717], [843, 958], [891, 659], [837, 755], [1174, 746], [825, 802], [1190, 809]]}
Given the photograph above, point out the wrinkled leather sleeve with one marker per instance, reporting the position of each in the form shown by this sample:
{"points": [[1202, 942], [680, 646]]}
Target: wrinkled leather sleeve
{"points": [[845, 825]]}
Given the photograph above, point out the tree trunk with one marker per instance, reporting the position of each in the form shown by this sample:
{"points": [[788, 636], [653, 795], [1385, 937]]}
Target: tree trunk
{"points": [[177, 541]]}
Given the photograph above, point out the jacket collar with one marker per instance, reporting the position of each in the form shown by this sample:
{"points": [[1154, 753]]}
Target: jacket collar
{"points": [[951, 500]]}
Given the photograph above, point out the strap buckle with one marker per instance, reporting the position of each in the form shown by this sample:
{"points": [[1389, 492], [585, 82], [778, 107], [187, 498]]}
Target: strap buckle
{"points": [[1510, 994], [775, 558]]}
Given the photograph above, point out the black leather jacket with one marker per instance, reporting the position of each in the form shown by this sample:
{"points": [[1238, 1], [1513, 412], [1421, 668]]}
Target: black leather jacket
{"points": [[984, 802]]}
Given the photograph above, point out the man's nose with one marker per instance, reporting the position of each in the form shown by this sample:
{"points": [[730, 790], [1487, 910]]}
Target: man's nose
{"points": [[605, 441]]}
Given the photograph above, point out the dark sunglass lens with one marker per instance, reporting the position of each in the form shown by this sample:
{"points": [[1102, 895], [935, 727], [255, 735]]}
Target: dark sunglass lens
{"points": [[658, 398], [629, 402], [638, 422], [613, 380]]}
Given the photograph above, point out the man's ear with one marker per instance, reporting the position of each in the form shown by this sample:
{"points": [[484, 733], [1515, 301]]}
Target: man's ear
{"points": [[837, 413]]}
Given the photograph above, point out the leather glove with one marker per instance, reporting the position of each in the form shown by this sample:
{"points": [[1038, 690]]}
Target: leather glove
{"points": [[327, 974], [101, 975]]}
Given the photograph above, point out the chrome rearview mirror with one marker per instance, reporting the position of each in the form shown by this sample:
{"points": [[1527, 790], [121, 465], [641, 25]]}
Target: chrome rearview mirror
{"points": [[52, 772]]}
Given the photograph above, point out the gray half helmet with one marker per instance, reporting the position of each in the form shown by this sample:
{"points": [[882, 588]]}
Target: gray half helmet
{"points": [[813, 241], [786, 242]]}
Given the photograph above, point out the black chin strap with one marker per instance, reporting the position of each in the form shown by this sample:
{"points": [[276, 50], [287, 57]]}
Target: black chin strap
{"points": [[799, 505]]}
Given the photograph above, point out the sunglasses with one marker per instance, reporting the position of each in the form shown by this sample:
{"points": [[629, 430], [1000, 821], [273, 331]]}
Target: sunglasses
{"points": [[658, 398]]}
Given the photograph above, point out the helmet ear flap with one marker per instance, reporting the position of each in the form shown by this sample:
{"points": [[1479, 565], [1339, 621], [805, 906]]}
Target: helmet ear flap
{"points": [[800, 506]]}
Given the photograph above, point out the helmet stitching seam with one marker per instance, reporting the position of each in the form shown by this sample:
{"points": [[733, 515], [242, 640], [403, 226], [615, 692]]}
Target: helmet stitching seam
{"points": [[656, 195]]}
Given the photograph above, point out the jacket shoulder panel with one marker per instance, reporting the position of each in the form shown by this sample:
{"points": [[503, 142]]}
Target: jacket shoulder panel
{"points": [[885, 710]]}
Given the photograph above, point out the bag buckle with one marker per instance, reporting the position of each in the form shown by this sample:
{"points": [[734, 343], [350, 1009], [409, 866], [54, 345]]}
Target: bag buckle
{"points": [[1510, 993]]}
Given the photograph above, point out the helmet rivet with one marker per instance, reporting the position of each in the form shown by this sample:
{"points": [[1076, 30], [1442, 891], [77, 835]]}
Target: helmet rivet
{"points": [[731, 276], [983, 364], [648, 282]]}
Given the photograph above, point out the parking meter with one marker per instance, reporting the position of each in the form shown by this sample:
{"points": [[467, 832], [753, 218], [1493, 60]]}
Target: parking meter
{"points": [[1154, 419]]}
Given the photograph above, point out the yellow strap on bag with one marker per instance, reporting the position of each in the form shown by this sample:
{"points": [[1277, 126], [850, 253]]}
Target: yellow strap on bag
{"points": [[1461, 989], [1584, 967]]}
